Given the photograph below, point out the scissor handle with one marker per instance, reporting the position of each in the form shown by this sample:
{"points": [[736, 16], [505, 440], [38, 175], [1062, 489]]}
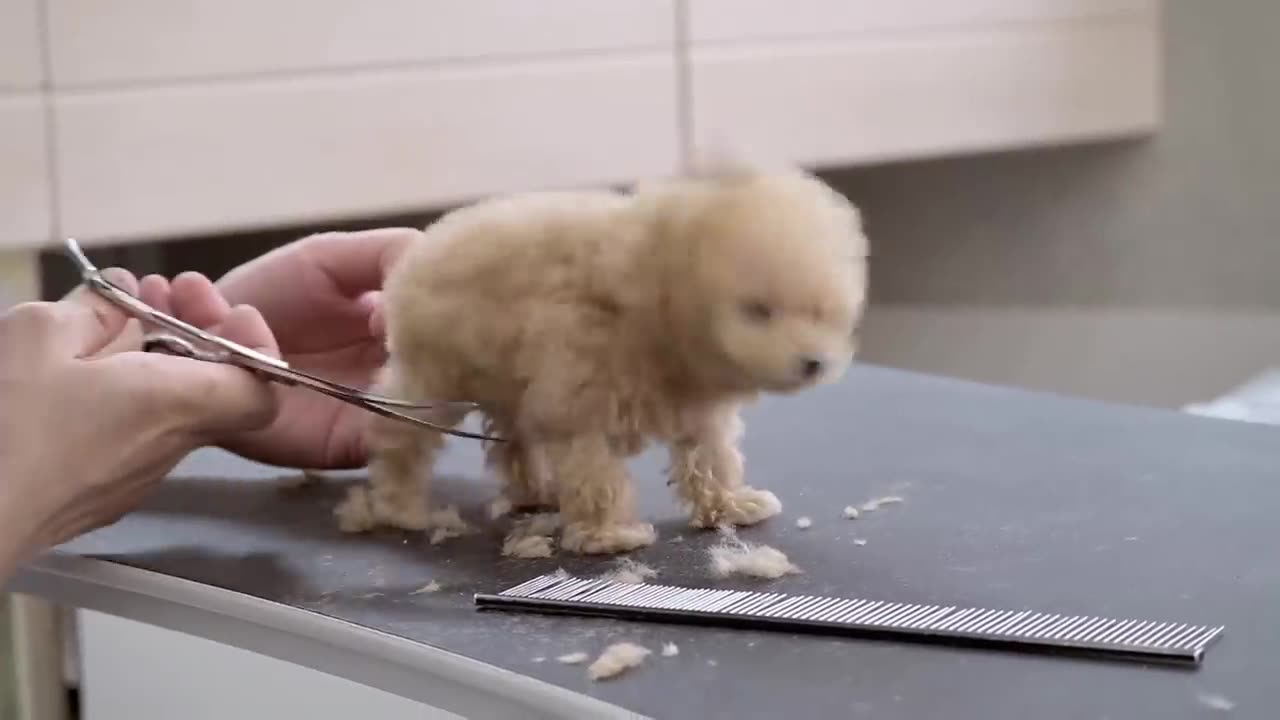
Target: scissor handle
{"points": [[226, 351], [174, 345], [92, 277]]}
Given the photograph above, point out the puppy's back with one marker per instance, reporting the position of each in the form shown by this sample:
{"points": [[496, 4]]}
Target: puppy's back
{"points": [[508, 248], [483, 277]]}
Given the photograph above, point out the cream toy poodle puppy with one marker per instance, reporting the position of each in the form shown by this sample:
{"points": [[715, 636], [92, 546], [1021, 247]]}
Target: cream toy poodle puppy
{"points": [[585, 325]]}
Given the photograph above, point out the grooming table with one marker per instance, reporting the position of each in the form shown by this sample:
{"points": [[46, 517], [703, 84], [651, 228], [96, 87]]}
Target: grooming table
{"points": [[1012, 500]]}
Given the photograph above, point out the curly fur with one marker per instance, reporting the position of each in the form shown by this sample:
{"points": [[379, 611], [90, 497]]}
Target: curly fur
{"points": [[588, 324]]}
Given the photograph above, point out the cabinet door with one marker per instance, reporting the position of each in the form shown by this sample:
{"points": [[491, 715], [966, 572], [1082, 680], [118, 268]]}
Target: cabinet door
{"points": [[827, 82], [25, 211], [738, 20], [194, 116], [196, 159], [20, 63], [25, 215], [123, 41]]}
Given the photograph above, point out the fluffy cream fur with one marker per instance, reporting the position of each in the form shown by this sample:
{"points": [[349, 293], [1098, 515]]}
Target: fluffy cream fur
{"points": [[629, 571], [616, 658], [430, 587], [530, 537], [588, 324], [873, 505], [736, 557]]}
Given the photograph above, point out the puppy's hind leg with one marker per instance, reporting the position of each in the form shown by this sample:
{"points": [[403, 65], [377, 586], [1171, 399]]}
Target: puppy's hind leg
{"points": [[707, 470], [596, 503], [522, 467]]}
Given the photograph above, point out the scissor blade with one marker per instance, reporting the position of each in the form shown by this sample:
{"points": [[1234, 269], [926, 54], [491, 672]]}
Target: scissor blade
{"points": [[366, 396]]}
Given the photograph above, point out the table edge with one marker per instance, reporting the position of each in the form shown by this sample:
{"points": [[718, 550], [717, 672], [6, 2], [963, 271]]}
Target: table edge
{"points": [[397, 665]]}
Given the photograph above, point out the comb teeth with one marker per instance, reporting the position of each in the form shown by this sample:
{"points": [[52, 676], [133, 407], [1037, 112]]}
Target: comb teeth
{"points": [[1141, 640]]}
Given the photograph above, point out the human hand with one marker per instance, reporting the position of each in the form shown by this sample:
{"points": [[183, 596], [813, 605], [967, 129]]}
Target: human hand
{"points": [[321, 296], [88, 422]]}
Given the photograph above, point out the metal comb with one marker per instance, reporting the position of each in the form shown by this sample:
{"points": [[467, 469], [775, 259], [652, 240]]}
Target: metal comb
{"points": [[1123, 639]]}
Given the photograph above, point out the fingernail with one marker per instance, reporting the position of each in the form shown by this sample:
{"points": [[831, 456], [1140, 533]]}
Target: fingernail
{"points": [[121, 277], [370, 301], [191, 275]]}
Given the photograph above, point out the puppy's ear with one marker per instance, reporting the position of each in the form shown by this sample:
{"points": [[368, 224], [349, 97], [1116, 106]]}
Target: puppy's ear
{"points": [[860, 249], [719, 161]]}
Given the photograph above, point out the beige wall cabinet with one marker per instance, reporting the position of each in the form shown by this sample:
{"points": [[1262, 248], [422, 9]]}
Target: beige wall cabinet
{"points": [[142, 119]]}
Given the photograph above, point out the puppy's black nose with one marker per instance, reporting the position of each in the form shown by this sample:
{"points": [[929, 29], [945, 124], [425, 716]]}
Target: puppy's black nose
{"points": [[810, 367]]}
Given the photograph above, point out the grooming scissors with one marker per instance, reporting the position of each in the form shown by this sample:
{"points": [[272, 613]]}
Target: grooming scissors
{"points": [[182, 340]]}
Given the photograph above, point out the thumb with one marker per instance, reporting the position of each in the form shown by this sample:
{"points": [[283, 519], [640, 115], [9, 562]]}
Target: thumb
{"points": [[200, 397], [203, 397], [88, 322], [248, 402]]}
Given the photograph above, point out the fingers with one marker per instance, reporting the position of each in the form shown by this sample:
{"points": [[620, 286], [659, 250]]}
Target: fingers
{"points": [[357, 262], [93, 322], [129, 339], [154, 290], [79, 325], [197, 301], [187, 395], [117, 276], [221, 398], [192, 298], [217, 398], [371, 304], [245, 325]]}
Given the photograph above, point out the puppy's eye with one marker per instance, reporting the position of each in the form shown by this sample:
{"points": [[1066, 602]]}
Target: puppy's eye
{"points": [[757, 310]]}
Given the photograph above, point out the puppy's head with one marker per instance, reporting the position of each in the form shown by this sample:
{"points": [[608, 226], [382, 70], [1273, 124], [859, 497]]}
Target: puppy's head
{"points": [[774, 278]]}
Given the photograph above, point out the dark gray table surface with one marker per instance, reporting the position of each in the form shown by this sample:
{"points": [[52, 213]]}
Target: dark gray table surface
{"points": [[1013, 500]]}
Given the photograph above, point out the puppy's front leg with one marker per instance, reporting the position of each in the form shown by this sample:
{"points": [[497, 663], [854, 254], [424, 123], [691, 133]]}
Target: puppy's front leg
{"points": [[596, 499], [707, 470]]}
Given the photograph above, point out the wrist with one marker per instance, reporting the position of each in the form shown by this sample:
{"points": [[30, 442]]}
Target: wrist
{"points": [[22, 513]]}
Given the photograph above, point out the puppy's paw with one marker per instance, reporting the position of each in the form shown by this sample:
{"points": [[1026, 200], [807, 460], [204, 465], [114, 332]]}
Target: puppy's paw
{"points": [[748, 506], [742, 506], [355, 512], [362, 511], [707, 515], [396, 499], [404, 514], [607, 539]]}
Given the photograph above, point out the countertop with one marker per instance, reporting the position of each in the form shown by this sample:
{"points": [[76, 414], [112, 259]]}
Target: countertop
{"points": [[1012, 499]]}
